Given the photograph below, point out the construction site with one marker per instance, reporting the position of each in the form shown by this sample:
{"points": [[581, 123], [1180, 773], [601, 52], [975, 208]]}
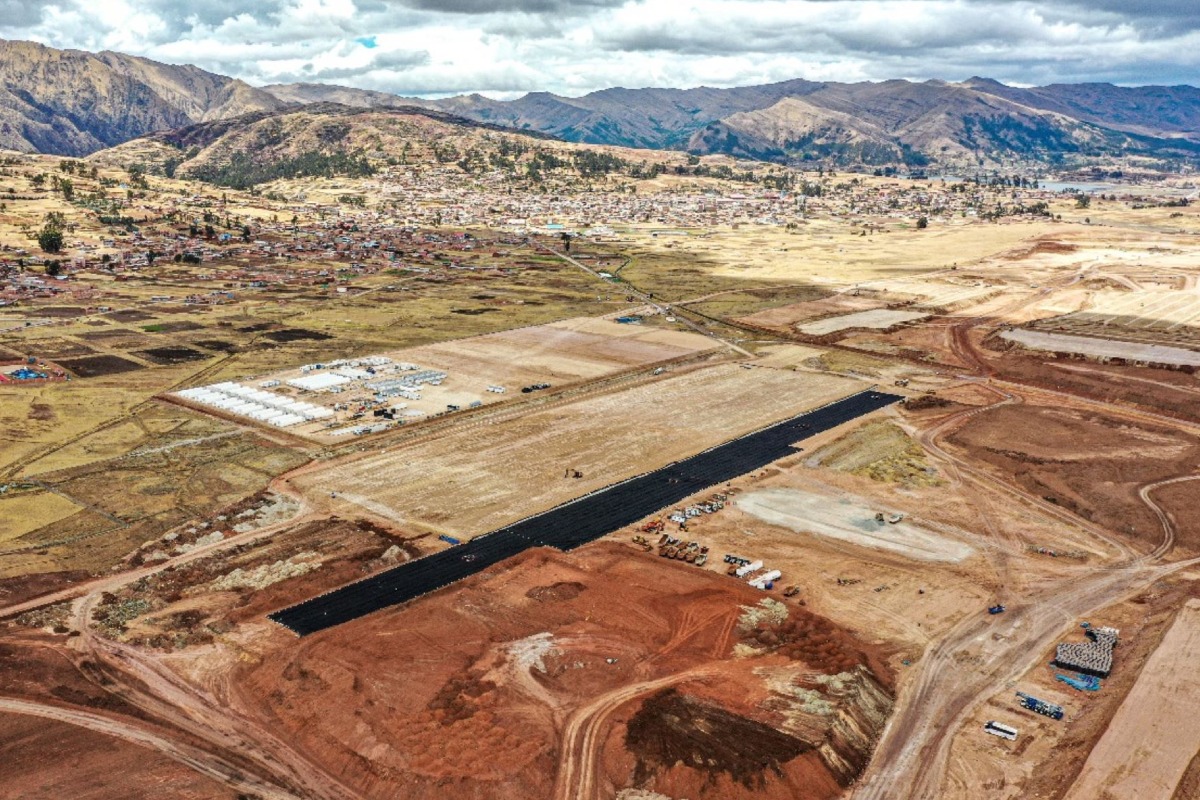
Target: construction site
{"points": [[686, 515], [372, 394]]}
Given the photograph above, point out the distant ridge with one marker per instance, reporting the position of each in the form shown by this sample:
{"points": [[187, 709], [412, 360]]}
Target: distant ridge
{"points": [[977, 122], [74, 103]]}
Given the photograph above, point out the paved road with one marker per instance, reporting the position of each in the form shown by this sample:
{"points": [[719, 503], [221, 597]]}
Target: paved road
{"points": [[579, 521]]}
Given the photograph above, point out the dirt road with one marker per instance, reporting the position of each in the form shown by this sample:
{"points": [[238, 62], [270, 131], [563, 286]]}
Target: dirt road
{"points": [[144, 678], [983, 652], [202, 761], [960, 672], [582, 738]]}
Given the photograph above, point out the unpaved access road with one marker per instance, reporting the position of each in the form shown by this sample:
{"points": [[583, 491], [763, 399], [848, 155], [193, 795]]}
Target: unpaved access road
{"points": [[581, 740], [202, 761], [980, 654]]}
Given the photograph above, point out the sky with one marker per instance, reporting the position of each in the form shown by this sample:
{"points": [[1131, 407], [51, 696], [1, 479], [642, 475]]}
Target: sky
{"points": [[505, 48]]}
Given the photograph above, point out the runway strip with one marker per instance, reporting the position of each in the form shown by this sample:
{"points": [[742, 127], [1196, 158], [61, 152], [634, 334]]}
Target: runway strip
{"points": [[579, 521]]}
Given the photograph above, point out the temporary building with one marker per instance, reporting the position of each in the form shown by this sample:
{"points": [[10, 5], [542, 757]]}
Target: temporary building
{"points": [[318, 382]]}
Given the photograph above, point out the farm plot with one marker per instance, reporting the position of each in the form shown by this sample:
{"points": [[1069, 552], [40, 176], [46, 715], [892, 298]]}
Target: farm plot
{"points": [[28, 511], [482, 477]]}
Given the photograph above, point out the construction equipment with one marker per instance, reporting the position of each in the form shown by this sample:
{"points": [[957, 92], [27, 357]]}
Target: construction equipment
{"points": [[1040, 706], [701, 559], [791, 591], [653, 526], [997, 609], [643, 542], [848, 581]]}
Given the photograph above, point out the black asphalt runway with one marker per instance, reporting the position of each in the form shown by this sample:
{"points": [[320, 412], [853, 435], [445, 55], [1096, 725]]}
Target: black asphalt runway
{"points": [[578, 522]]}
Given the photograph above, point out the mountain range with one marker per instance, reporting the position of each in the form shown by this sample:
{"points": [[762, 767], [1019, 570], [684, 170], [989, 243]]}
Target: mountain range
{"points": [[70, 102]]}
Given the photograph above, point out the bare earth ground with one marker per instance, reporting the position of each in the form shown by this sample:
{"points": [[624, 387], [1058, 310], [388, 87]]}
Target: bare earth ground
{"points": [[482, 477], [849, 522], [48, 760], [1146, 750], [522, 681]]}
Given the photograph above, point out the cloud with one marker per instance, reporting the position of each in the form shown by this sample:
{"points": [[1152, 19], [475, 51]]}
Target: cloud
{"points": [[18, 14], [523, 6], [506, 47]]}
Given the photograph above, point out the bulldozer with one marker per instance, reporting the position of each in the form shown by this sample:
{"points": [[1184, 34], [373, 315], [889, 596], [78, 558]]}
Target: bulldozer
{"points": [[643, 542]]}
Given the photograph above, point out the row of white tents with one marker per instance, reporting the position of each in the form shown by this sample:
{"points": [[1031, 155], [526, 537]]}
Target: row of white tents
{"points": [[256, 404]]}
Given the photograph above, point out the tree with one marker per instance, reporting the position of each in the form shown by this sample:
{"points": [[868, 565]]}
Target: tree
{"points": [[50, 239], [53, 268], [922, 223], [1082, 200]]}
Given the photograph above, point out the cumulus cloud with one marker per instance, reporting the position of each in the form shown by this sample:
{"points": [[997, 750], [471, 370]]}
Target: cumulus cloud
{"points": [[507, 47]]}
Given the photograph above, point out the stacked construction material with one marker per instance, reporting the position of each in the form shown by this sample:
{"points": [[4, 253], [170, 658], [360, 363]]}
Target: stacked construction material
{"points": [[1093, 657]]}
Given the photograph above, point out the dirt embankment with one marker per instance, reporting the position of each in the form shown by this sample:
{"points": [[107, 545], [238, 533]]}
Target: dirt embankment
{"points": [[560, 674]]}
